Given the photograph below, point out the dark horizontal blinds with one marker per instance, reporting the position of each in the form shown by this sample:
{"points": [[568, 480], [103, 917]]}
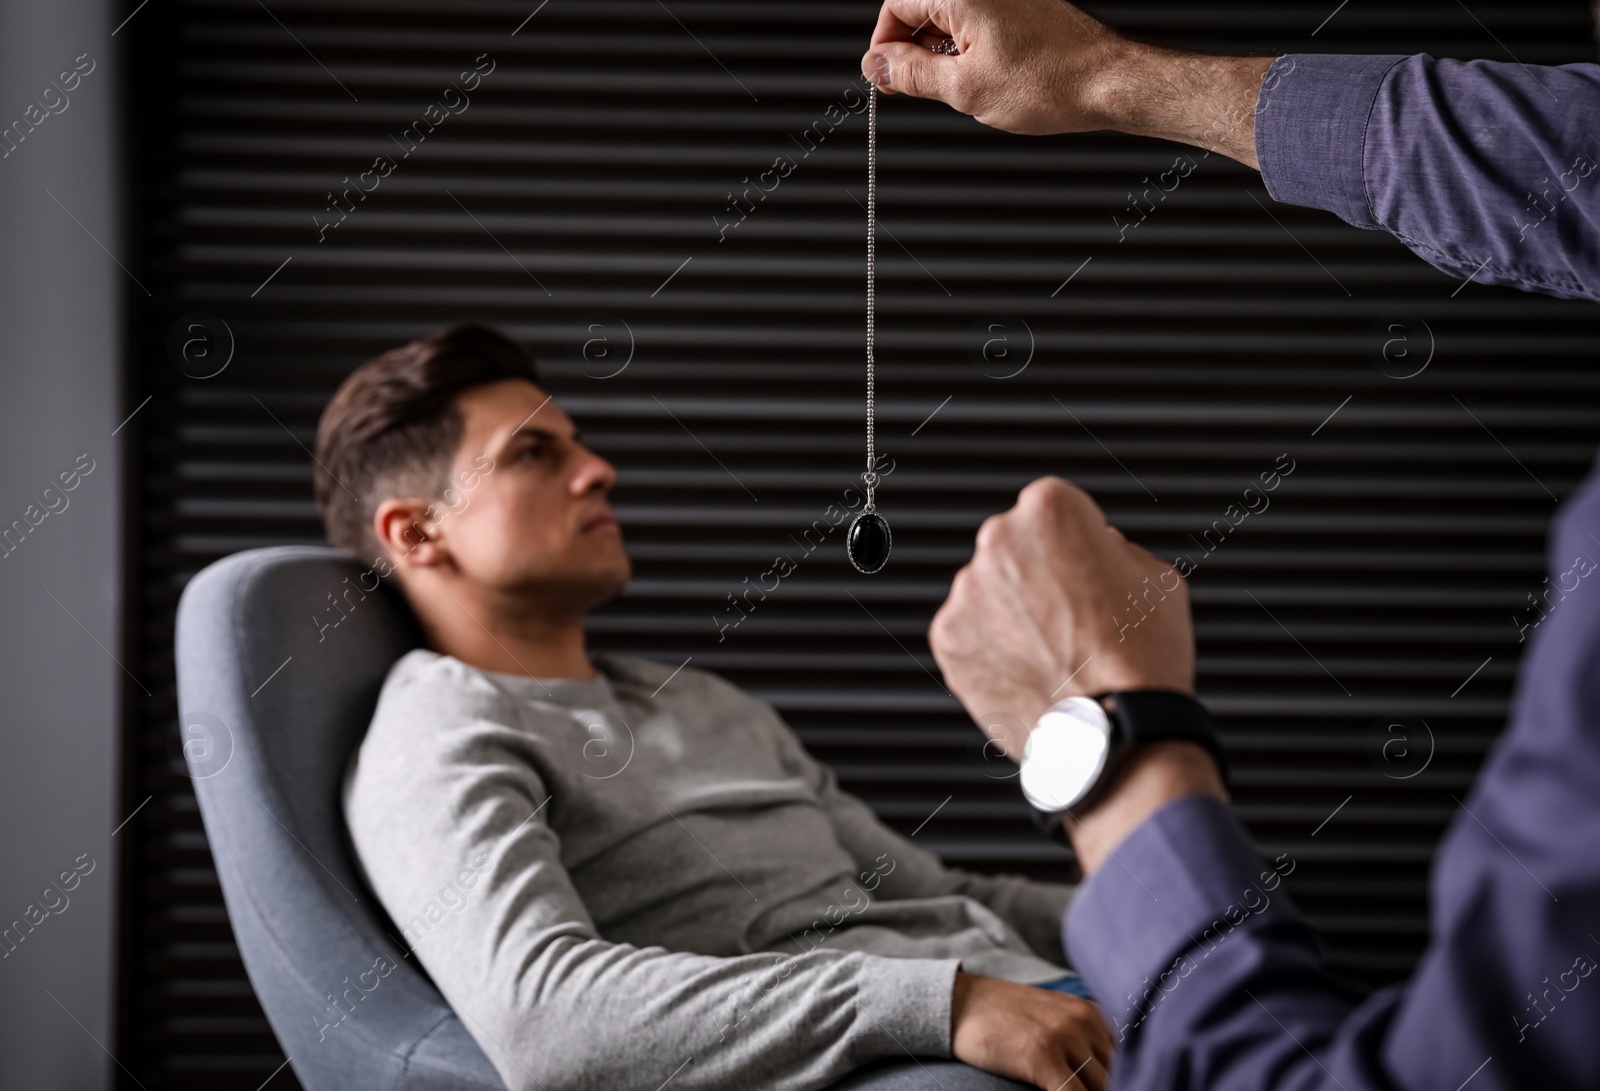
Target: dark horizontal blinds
{"points": [[584, 202]]}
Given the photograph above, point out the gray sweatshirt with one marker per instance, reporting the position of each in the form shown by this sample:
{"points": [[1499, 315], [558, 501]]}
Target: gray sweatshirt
{"points": [[631, 878]]}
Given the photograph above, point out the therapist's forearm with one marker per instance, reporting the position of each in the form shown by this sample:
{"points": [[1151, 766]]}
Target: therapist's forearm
{"points": [[1194, 98], [1148, 779]]}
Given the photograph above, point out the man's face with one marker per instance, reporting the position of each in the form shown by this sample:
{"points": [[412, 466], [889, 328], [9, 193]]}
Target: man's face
{"points": [[527, 514]]}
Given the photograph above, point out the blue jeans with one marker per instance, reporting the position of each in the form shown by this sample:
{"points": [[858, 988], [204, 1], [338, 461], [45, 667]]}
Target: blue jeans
{"points": [[1072, 985]]}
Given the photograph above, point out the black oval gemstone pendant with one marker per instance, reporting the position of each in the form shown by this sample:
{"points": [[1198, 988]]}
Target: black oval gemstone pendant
{"points": [[869, 542]]}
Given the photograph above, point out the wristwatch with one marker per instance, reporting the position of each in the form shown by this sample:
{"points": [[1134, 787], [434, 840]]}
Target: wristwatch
{"points": [[1077, 740]]}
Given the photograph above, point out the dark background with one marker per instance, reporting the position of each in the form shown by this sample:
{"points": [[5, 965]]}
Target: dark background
{"points": [[1173, 369]]}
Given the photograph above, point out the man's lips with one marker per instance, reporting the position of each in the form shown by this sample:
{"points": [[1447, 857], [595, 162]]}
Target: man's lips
{"points": [[600, 521]]}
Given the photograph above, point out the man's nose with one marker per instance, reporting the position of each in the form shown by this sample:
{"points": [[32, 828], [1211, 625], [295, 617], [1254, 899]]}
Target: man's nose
{"points": [[594, 474]]}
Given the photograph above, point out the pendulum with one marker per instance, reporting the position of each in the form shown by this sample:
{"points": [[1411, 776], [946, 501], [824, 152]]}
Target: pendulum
{"points": [[869, 540]]}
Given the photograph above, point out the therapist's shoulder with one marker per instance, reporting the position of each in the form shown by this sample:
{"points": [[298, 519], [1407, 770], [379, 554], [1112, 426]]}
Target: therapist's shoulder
{"points": [[1558, 623]]}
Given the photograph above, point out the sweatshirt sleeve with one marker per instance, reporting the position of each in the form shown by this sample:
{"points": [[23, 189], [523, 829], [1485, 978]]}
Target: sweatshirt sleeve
{"points": [[449, 817], [1487, 170], [904, 869]]}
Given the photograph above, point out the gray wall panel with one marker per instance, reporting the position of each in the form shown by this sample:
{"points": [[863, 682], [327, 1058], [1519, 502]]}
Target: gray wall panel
{"points": [[60, 580]]}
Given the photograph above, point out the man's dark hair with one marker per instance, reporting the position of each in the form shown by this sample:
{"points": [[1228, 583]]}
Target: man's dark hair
{"points": [[393, 426]]}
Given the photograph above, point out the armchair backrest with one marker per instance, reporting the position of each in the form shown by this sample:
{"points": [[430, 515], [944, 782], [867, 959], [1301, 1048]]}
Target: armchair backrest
{"points": [[281, 653]]}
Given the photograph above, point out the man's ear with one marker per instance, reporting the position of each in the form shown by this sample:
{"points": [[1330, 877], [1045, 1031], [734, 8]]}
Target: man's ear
{"points": [[406, 531]]}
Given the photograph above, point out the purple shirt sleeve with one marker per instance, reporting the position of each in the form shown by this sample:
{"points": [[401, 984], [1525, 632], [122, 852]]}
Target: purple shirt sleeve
{"points": [[1486, 170], [1211, 979]]}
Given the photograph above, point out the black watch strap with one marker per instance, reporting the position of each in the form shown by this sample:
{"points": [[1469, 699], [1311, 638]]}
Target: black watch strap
{"points": [[1052, 824], [1155, 715], [1144, 716]]}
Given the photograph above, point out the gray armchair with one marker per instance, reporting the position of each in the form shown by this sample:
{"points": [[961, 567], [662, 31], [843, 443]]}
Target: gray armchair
{"points": [[281, 653], [271, 706]]}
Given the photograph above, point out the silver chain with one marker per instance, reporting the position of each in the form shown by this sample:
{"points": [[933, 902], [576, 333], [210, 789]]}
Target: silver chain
{"points": [[948, 48], [870, 478]]}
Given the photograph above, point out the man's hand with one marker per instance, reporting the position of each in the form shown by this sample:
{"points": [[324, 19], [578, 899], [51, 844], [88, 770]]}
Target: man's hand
{"points": [[1053, 1041], [1054, 603], [1044, 66], [1025, 66]]}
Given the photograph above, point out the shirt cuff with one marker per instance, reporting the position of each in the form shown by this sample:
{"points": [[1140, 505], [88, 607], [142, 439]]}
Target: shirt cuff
{"points": [[1184, 880], [1311, 130], [905, 1003]]}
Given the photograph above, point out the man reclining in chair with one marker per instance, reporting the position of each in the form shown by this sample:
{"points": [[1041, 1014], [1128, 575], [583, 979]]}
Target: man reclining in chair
{"points": [[618, 872]]}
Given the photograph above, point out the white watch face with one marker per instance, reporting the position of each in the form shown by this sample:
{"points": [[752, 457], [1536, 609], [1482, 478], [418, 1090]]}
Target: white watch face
{"points": [[1065, 753]]}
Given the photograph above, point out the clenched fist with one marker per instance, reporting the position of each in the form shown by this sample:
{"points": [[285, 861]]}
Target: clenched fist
{"points": [[1055, 603]]}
